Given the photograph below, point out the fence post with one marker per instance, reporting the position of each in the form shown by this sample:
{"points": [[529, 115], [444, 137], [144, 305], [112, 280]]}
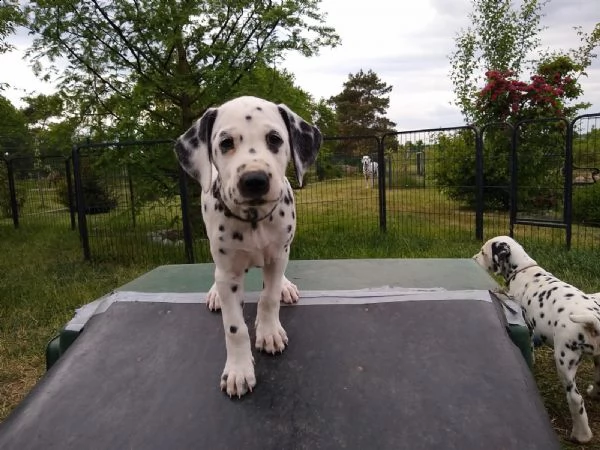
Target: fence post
{"points": [[381, 184], [14, 206], [131, 195], [185, 216], [568, 191], [513, 179], [478, 184], [81, 217], [70, 191]]}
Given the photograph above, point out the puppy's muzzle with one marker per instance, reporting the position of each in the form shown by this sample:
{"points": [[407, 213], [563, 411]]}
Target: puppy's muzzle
{"points": [[254, 184]]}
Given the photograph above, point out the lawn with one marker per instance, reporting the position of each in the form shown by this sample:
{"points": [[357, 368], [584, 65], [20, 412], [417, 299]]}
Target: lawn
{"points": [[44, 278]]}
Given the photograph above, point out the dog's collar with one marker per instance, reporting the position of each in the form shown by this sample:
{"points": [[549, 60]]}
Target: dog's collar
{"points": [[228, 213], [254, 221], [516, 272]]}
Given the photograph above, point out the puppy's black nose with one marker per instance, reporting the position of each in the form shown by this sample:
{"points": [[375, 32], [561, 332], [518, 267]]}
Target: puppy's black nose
{"points": [[254, 184]]}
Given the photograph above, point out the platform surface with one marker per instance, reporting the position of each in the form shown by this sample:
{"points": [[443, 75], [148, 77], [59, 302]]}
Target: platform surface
{"points": [[423, 374]]}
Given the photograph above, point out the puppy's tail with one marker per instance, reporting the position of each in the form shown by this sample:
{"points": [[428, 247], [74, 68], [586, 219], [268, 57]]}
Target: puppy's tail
{"points": [[590, 323]]}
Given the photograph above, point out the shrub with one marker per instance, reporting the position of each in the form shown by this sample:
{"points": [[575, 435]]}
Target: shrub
{"points": [[586, 203], [97, 197]]}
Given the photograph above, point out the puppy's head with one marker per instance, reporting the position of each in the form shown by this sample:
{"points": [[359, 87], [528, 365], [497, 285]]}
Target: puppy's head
{"points": [[502, 255], [250, 142], [366, 160]]}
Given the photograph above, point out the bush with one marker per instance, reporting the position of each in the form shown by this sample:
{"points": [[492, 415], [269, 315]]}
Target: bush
{"points": [[586, 203], [539, 153], [96, 195]]}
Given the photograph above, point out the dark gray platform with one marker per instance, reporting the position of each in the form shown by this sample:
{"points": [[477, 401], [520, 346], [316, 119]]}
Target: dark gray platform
{"points": [[426, 374]]}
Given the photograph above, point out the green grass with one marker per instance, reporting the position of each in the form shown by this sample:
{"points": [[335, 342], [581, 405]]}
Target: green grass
{"points": [[44, 277]]}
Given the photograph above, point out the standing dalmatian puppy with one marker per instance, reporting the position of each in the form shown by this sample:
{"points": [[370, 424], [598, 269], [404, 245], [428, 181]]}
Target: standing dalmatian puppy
{"points": [[238, 153], [370, 170], [560, 315]]}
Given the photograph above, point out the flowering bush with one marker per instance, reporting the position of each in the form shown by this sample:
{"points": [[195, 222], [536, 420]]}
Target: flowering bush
{"points": [[504, 97]]}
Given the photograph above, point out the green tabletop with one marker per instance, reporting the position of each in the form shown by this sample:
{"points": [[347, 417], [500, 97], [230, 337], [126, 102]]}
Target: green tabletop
{"points": [[332, 274]]}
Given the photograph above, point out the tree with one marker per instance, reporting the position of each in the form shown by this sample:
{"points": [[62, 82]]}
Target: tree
{"points": [[167, 61], [361, 108], [11, 16], [14, 136], [500, 38]]}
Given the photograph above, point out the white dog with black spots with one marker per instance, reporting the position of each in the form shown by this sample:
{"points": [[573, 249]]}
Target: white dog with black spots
{"points": [[559, 315], [238, 153], [370, 170]]}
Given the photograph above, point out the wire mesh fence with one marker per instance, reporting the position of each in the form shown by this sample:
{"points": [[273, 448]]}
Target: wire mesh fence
{"points": [[537, 180]]}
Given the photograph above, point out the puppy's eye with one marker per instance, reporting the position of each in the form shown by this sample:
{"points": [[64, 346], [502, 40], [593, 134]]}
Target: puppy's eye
{"points": [[226, 144], [274, 141]]}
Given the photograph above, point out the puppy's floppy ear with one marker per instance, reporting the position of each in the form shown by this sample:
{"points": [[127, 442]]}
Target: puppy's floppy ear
{"points": [[305, 140], [194, 149], [500, 251]]}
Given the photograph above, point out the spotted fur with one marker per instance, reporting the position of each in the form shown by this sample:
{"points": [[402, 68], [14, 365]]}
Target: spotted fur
{"points": [[559, 315], [238, 153]]}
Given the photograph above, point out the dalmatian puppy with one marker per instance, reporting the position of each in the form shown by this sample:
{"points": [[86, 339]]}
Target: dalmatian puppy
{"points": [[559, 315], [370, 169], [238, 153]]}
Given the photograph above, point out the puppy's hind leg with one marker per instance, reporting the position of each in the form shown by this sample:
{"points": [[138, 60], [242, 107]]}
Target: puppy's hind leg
{"points": [[567, 362]]}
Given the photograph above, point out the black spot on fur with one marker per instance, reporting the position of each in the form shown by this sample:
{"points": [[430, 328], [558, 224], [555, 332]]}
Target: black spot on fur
{"points": [[541, 315], [233, 329], [234, 288], [581, 337], [562, 354], [570, 294], [222, 251], [259, 108], [221, 228], [252, 150], [561, 362], [248, 117], [281, 213], [569, 387], [238, 235], [289, 228], [581, 410], [561, 309]]}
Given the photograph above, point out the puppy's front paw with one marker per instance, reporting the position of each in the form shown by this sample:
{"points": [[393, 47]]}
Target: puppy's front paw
{"points": [[582, 436], [271, 337], [289, 291], [238, 377], [212, 299]]}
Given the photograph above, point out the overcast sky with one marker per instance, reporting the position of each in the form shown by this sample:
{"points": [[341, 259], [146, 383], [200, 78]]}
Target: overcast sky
{"points": [[405, 42]]}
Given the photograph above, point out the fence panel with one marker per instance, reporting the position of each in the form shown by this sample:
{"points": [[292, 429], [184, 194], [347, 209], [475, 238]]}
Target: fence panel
{"points": [[336, 196], [431, 182], [128, 202], [538, 168], [41, 190], [585, 178]]}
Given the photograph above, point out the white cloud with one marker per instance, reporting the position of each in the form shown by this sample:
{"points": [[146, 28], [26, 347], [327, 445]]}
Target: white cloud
{"points": [[406, 43]]}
